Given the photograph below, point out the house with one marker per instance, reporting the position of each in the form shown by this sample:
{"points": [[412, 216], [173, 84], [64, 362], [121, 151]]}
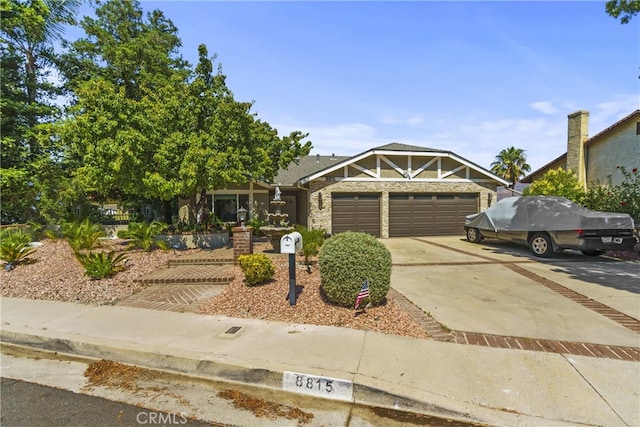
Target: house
{"points": [[595, 159], [389, 191]]}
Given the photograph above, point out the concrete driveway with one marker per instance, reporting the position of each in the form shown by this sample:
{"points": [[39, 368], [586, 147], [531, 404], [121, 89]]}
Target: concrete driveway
{"points": [[502, 289]]}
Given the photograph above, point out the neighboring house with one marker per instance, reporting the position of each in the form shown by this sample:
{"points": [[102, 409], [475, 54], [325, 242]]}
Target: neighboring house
{"points": [[389, 191], [595, 159]]}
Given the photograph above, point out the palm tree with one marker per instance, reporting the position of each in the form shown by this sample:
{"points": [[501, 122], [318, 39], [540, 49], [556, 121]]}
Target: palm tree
{"points": [[511, 164]]}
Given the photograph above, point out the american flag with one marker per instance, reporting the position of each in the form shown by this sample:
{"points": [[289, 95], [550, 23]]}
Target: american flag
{"points": [[364, 293]]}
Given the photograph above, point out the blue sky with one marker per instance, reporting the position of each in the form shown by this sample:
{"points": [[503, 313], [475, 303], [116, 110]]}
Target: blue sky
{"points": [[469, 77]]}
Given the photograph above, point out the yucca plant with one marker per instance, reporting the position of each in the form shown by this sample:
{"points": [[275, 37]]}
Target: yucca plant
{"points": [[14, 246], [99, 265], [143, 235], [82, 235]]}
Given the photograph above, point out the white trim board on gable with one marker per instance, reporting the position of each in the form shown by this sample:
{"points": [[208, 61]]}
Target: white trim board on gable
{"points": [[425, 160]]}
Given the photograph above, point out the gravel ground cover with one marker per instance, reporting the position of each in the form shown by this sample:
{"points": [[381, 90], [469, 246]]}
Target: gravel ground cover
{"points": [[55, 274], [270, 301]]}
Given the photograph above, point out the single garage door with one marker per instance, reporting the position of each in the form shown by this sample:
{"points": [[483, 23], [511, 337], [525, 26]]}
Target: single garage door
{"points": [[356, 212], [429, 214]]}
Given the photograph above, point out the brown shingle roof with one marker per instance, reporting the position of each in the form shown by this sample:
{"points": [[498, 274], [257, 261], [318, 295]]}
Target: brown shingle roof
{"points": [[307, 165]]}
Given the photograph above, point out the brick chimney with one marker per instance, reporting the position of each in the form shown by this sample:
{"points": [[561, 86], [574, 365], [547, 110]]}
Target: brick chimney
{"points": [[577, 135]]}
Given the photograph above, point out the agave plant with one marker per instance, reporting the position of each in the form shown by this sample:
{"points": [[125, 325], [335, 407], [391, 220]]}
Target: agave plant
{"points": [[99, 265], [14, 246]]}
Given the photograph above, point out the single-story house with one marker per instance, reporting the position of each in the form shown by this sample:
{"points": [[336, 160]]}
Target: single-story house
{"points": [[595, 159], [389, 191]]}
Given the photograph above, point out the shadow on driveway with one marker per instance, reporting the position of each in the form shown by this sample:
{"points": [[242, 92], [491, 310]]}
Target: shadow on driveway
{"points": [[605, 271], [615, 274]]}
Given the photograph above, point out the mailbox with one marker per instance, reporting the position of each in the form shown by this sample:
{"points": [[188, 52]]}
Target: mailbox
{"points": [[291, 243]]}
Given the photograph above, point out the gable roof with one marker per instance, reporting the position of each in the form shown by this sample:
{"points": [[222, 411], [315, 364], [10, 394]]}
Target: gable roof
{"points": [[396, 148], [529, 178]]}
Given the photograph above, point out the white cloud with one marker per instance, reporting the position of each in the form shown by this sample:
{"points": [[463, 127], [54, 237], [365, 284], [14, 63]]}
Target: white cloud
{"points": [[545, 107], [607, 113], [345, 139], [543, 138], [414, 120]]}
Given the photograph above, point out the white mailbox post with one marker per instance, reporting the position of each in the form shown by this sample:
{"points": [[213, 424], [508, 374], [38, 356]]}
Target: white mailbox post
{"points": [[290, 244]]}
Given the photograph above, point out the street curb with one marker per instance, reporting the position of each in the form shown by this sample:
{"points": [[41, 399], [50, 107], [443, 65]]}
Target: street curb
{"points": [[192, 365], [148, 357]]}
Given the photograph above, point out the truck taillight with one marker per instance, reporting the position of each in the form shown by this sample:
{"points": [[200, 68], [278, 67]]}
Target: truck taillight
{"points": [[580, 232]]}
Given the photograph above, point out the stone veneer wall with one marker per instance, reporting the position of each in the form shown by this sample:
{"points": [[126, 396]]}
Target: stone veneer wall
{"points": [[321, 218]]}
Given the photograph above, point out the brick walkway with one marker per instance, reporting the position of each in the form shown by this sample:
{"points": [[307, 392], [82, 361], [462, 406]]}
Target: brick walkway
{"points": [[179, 298], [186, 283], [190, 274]]}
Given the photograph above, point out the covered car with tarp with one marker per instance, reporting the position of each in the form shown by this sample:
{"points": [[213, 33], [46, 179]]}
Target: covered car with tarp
{"points": [[549, 224]]}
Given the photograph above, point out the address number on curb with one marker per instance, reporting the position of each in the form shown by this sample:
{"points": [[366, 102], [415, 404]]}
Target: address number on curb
{"points": [[329, 388]]}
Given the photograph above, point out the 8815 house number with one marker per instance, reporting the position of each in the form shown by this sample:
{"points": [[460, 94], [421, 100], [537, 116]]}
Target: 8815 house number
{"points": [[330, 388]]}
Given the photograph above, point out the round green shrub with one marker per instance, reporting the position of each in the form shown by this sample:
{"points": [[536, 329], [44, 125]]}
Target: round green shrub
{"points": [[257, 268], [346, 260]]}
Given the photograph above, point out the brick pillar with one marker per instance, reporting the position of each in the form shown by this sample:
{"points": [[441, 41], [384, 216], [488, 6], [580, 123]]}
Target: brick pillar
{"points": [[242, 241]]}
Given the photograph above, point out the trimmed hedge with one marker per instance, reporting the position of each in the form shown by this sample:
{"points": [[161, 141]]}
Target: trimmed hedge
{"points": [[257, 268], [346, 260]]}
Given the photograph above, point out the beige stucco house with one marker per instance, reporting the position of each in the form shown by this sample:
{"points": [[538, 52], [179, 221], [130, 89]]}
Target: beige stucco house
{"points": [[596, 158], [389, 191]]}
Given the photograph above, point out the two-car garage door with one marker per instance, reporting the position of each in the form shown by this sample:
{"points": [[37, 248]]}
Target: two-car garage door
{"points": [[410, 214]]}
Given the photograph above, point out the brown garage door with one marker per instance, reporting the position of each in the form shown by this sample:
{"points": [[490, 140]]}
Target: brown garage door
{"points": [[356, 212], [429, 214]]}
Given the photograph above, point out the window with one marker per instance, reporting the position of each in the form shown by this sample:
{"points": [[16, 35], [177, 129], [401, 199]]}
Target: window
{"points": [[225, 206], [638, 128]]}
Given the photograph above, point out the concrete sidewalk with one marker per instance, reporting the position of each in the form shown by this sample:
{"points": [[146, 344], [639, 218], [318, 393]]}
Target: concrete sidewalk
{"points": [[503, 387]]}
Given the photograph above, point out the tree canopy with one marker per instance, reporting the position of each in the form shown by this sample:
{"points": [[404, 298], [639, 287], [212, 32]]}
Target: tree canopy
{"points": [[141, 123], [623, 9], [558, 182], [32, 180]]}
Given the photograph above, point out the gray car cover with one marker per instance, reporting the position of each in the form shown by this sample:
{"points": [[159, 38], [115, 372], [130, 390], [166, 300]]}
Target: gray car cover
{"points": [[545, 213]]}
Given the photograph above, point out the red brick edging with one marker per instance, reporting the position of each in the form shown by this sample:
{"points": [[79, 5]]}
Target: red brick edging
{"points": [[549, 346]]}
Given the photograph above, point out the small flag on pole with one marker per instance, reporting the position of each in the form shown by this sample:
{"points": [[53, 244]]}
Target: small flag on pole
{"points": [[364, 293]]}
